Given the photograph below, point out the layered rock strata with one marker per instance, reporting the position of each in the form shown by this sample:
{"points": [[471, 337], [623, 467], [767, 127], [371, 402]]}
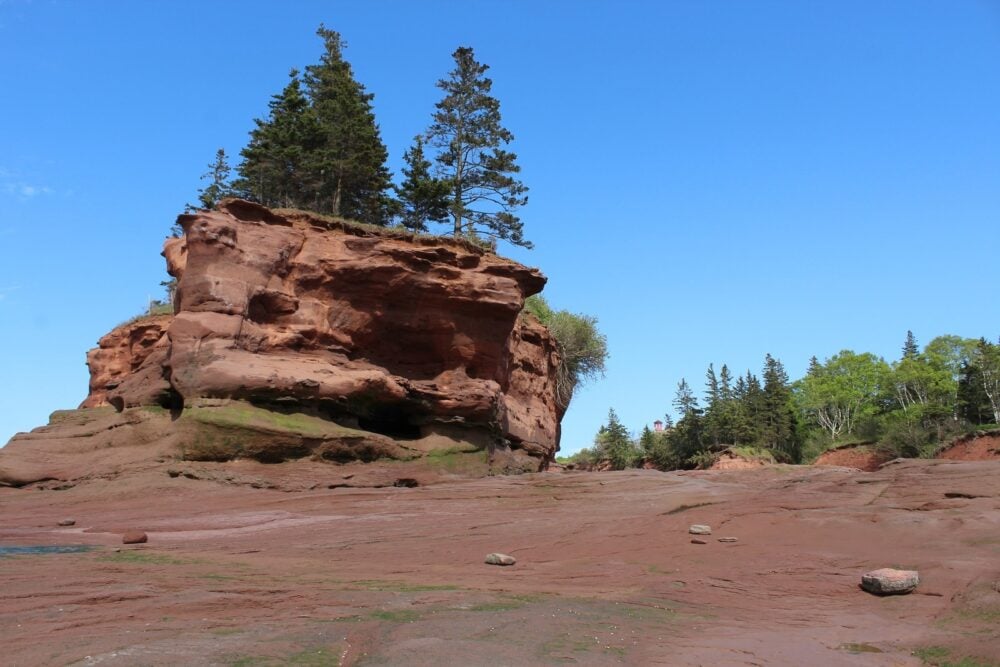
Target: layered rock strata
{"points": [[414, 339]]}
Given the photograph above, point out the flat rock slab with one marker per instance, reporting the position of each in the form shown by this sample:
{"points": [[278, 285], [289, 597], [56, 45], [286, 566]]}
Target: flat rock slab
{"points": [[697, 541], [729, 539], [500, 559], [700, 529], [888, 581], [67, 522]]}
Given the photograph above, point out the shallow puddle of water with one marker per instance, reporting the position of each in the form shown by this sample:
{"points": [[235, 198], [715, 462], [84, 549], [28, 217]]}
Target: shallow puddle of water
{"points": [[31, 550]]}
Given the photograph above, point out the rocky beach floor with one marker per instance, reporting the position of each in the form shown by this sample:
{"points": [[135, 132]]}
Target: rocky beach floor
{"points": [[606, 572]]}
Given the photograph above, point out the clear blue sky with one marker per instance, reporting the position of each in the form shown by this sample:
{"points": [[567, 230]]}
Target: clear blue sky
{"points": [[712, 180]]}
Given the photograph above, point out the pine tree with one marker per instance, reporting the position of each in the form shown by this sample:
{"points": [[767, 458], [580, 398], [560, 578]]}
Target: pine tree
{"points": [[655, 450], [349, 162], [725, 383], [466, 129], [779, 431], [219, 187], [814, 368], [687, 436], [615, 443], [713, 406], [726, 414], [749, 398], [422, 197], [275, 170], [910, 347], [685, 402]]}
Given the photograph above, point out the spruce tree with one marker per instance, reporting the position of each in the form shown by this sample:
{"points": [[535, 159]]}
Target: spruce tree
{"points": [[749, 398], [349, 162], [686, 437], [615, 442], [218, 175], [713, 406], [910, 347], [422, 197], [779, 431], [275, 163], [685, 402], [726, 414], [466, 129]]}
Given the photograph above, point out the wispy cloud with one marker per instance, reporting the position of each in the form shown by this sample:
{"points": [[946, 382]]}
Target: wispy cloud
{"points": [[6, 291], [13, 185]]}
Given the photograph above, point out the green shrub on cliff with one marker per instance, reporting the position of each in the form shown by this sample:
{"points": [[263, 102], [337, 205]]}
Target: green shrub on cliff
{"points": [[583, 348]]}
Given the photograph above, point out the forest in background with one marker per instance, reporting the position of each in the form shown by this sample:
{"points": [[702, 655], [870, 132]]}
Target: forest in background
{"points": [[906, 408]]}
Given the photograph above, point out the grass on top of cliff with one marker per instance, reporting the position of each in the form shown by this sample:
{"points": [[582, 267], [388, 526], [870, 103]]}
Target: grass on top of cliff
{"points": [[471, 242]]}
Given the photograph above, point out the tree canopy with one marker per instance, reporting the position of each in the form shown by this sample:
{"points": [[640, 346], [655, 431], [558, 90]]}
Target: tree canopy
{"points": [[319, 147]]}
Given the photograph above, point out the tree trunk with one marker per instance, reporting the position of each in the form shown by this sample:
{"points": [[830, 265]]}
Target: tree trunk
{"points": [[335, 204]]}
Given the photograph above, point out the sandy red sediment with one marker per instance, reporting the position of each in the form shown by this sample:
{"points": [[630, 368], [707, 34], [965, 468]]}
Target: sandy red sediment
{"points": [[974, 447]]}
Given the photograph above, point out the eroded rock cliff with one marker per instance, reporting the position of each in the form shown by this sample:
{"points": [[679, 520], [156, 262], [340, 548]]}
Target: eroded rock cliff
{"points": [[416, 341]]}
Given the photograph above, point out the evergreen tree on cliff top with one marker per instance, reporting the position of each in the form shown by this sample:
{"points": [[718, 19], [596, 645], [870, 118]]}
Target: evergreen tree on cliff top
{"points": [[218, 175], [275, 163], [319, 148], [467, 131], [422, 197], [349, 163]]}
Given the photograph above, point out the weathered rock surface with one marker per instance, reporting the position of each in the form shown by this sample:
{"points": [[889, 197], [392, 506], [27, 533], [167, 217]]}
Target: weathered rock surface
{"points": [[395, 345], [280, 575], [700, 529], [121, 354], [734, 459], [979, 446], [135, 537], [863, 457], [889, 581], [500, 559]]}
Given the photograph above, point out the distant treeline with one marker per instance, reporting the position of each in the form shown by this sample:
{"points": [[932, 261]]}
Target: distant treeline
{"points": [[908, 407]]}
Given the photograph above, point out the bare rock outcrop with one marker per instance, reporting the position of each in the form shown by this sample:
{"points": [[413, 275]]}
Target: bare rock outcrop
{"points": [[122, 352], [414, 338], [865, 457], [978, 446]]}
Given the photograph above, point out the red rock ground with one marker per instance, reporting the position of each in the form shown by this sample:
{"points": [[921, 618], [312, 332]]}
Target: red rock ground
{"points": [[606, 572]]}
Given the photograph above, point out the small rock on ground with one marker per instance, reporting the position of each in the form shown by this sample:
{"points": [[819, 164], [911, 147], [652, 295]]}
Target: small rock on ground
{"points": [[729, 539], [889, 581], [67, 522], [500, 559], [700, 529], [697, 541], [134, 537]]}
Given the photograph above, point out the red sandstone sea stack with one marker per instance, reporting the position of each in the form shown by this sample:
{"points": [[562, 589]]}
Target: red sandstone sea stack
{"points": [[397, 344]]}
